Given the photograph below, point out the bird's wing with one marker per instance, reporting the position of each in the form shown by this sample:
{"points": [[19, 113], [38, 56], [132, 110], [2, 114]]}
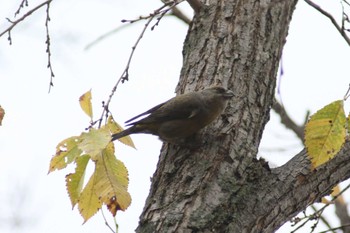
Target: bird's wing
{"points": [[180, 107], [144, 113]]}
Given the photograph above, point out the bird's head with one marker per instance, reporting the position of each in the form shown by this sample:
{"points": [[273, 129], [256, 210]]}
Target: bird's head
{"points": [[218, 91]]}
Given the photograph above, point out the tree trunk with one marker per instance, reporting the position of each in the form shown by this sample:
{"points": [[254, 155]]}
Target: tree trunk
{"points": [[221, 186]]}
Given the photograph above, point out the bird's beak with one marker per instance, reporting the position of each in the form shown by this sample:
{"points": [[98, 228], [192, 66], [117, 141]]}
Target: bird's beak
{"points": [[228, 94]]}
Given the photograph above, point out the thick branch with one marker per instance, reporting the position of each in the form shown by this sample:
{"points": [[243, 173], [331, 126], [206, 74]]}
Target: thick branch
{"points": [[305, 186]]}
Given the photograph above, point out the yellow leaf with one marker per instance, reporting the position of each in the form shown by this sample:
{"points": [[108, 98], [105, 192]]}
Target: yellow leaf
{"points": [[94, 141], [89, 203], [2, 114], [112, 181], [325, 133], [114, 127], [66, 152], [348, 124], [85, 103], [75, 181]]}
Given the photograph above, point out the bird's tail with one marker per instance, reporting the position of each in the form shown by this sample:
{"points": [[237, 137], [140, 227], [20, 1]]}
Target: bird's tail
{"points": [[124, 133]]}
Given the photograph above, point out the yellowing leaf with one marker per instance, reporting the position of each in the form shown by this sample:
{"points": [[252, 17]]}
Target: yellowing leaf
{"points": [[112, 181], [325, 133], [2, 114], [85, 103], [348, 124], [114, 127], [94, 141], [75, 181], [66, 152], [89, 203]]}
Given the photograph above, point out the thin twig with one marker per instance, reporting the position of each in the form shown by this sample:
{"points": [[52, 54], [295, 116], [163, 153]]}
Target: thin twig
{"points": [[320, 211], [328, 15], [125, 74], [287, 120], [335, 228], [15, 22], [104, 218], [23, 4], [174, 12], [48, 45]]}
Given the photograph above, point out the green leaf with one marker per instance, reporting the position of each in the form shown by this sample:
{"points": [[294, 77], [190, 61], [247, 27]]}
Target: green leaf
{"points": [[66, 152], [75, 181], [325, 133], [85, 103]]}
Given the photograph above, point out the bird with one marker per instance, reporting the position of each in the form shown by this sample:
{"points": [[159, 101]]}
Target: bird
{"points": [[180, 117]]}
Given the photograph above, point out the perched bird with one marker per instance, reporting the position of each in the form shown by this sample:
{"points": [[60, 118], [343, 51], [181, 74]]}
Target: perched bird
{"points": [[180, 117]]}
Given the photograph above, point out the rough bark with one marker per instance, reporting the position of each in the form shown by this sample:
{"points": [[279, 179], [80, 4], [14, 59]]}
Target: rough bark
{"points": [[221, 186]]}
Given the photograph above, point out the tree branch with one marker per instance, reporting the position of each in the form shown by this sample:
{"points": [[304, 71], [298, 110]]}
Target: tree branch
{"points": [[306, 186], [160, 12], [287, 121], [180, 15], [14, 23], [328, 15]]}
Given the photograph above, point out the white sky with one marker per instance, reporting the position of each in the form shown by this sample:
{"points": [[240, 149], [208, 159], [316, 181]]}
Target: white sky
{"points": [[316, 70]]}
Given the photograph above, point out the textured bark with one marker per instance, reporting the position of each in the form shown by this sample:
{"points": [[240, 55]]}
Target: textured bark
{"points": [[221, 186]]}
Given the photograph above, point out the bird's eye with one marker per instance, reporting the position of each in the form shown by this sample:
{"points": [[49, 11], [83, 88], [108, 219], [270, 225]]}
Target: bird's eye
{"points": [[220, 90]]}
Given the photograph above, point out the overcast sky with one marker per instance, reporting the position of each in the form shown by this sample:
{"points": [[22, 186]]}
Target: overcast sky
{"points": [[316, 72]]}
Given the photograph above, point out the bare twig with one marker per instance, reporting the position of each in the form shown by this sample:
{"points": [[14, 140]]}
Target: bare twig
{"points": [[23, 4], [318, 212], [48, 48], [48, 43], [125, 74], [329, 16], [110, 228], [15, 22], [174, 11], [335, 228], [287, 121]]}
